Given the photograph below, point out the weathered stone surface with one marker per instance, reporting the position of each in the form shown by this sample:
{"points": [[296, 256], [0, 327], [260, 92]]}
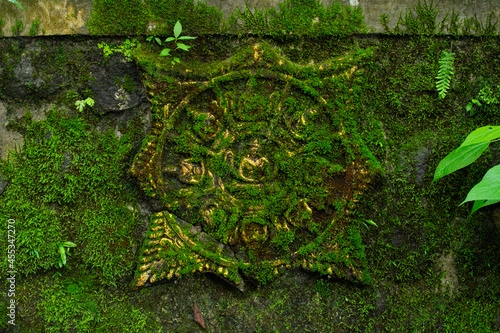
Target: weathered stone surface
{"points": [[446, 263], [117, 86], [8, 139], [25, 81], [70, 16], [261, 162], [66, 17], [3, 183]]}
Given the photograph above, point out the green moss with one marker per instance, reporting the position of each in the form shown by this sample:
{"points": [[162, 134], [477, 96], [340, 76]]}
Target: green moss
{"points": [[289, 118], [298, 17], [79, 303], [17, 28], [422, 20], [133, 17], [35, 25], [398, 116], [65, 186], [128, 84]]}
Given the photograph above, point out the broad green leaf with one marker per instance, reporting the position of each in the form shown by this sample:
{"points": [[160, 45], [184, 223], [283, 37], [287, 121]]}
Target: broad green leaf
{"points": [[16, 3], [459, 158], [169, 39], [69, 244], [482, 203], [177, 29], [165, 52], [186, 37], [482, 134], [183, 46], [488, 188], [150, 38], [158, 40]]}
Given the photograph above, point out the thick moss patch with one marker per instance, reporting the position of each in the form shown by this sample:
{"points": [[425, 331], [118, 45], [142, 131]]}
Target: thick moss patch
{"points": [[66, 185], [158, 17]]}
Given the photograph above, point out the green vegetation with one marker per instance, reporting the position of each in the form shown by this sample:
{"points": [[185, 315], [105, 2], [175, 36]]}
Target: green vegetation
{"points": [[80, 104], [396, 114], [486, 192], [63, 250], [132, 16], [80, 304], [487, 96], [35, 26], [298, 17], [17, 28], [66, 184], [422, 20], [127, 49], [445, 73], [16, 3], [176, 38]]}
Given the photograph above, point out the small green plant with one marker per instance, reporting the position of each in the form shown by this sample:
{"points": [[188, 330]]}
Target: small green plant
{"points": [[445, 73], [176, 38], [127, 49], [63, 250], [16, 3], [470, 105], [384, 20], [486, 95], [17, 28], [487, 191], [35, 25], [80, 104]]}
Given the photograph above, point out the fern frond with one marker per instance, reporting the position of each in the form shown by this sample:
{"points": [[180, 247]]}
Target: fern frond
{"points": [[445, 73]]}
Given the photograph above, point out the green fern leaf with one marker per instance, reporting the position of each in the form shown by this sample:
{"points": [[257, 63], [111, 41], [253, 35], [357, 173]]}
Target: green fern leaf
{"points": [[445, 73]]}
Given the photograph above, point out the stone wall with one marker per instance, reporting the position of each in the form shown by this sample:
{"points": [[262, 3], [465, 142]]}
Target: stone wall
{"points": [[381, 249], [67, 17]]}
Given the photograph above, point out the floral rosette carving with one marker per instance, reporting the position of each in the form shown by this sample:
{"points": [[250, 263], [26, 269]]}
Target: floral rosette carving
{"points": [[256, 172]]}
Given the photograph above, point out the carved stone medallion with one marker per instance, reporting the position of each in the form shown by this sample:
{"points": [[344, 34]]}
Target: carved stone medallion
{"points": [[257, 171]]}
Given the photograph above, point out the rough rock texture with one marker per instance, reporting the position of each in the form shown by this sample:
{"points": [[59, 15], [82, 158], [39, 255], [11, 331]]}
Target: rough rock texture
{"points": [[70, 16], [411, 246], [446, 263], [117, 86], [8, 139], [3, 183]]}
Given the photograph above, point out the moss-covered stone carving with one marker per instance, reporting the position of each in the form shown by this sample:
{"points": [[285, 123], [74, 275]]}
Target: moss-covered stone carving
{"points": [[257, 168]]}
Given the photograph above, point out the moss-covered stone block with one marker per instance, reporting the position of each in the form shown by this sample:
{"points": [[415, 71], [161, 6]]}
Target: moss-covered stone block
{"points": [[260, 156]]}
